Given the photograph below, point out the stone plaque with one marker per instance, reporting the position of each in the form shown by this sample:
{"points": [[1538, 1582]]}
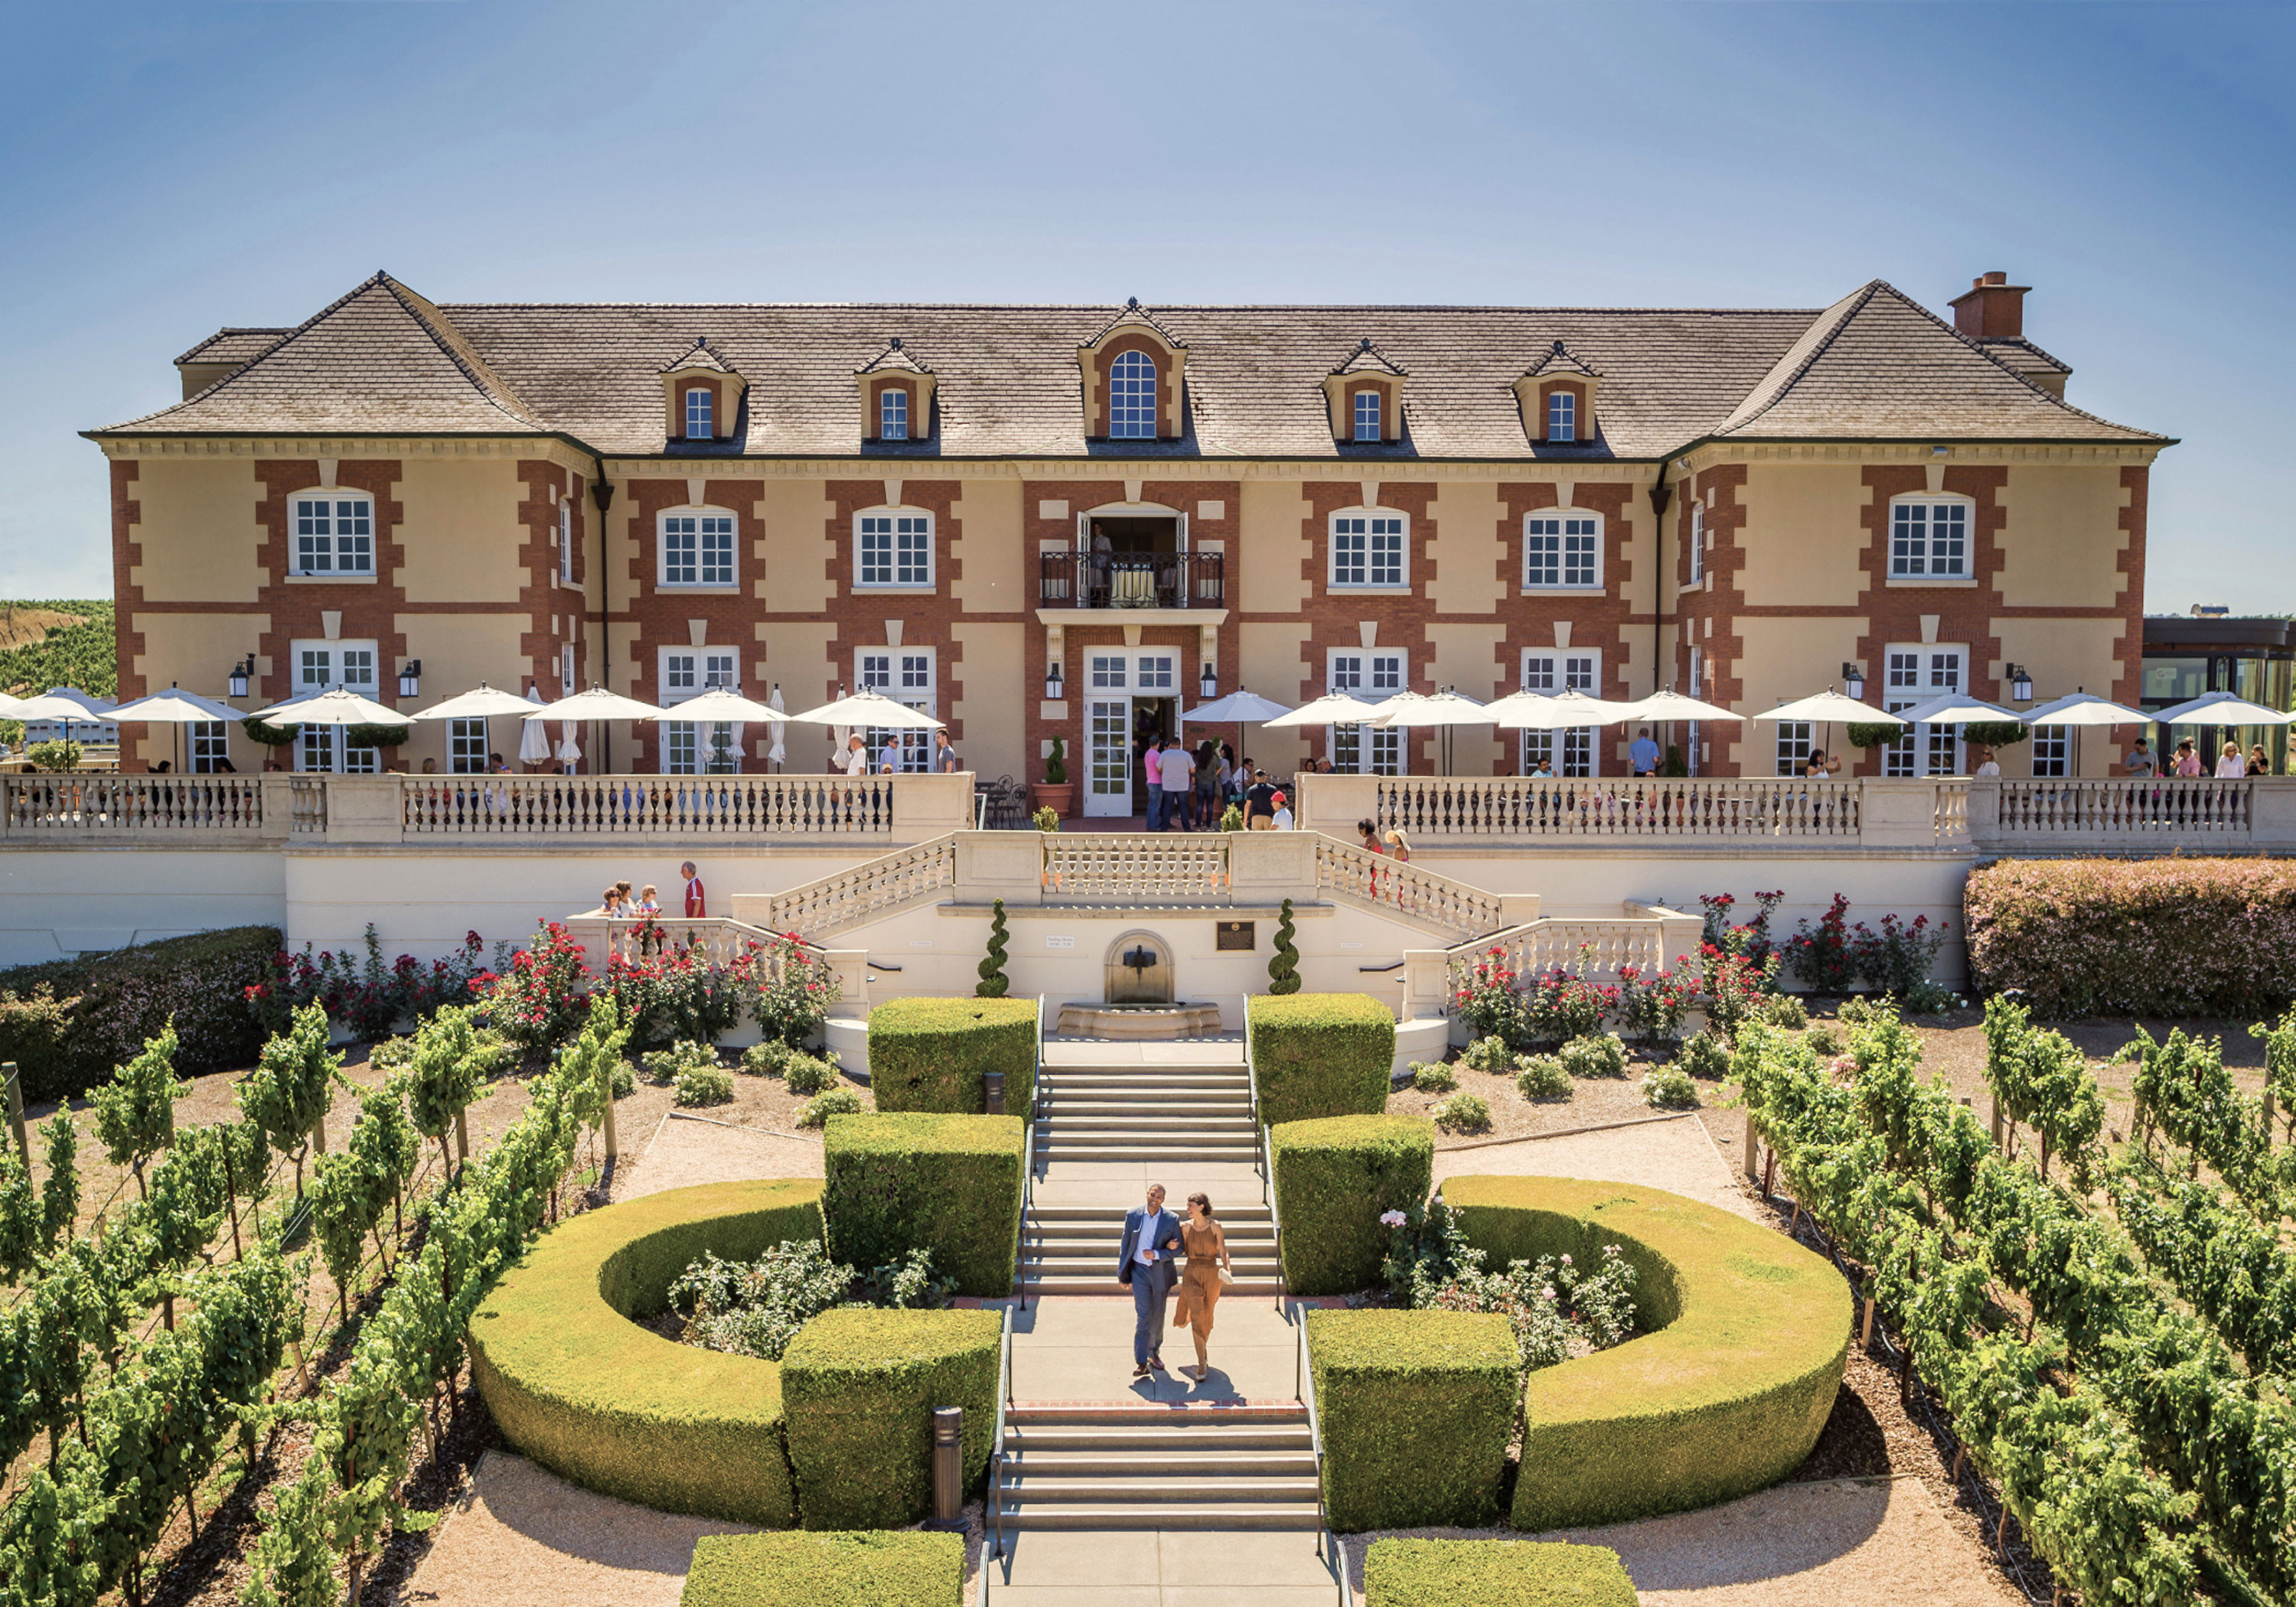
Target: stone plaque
{"points": [[1238, 935]]}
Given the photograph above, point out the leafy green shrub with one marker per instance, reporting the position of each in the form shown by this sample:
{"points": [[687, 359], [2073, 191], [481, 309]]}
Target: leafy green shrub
{"points": [[391, 1053], [621, 1080], [1786, 1011], [875, 1568], [1334, 1178], [54, 755], [135, 1110], [837, 1102], [1283, 964], [1416, 1408], [1433, 1076], [1461, 1113], [906, 1181], [1489, 1054], [994, 983], [1047, 818], [1232, 818], [802, 1073], [1670, 1088], [1528, 1573], [1321, 1055], [66, 1023], [861, 1386], [933, 1054], [575, 1384], [1599, 1054], [1704, 1055], [700, 1085], [663, 1066], [1542, 1076], [1872, 734], [755, 1308], [1995, 734], [1823, 1040], [1745, 1335], [1556, 1308]]}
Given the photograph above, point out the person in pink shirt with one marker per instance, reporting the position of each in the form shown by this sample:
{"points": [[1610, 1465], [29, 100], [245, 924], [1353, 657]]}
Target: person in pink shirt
{"points": [[2188, 759], [1154, 762]]}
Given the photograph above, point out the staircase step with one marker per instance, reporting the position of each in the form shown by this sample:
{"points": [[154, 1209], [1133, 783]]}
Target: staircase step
{"points": [[1060, 1438], [1025, 1485], [1232, 1218], [1188, 1465], [1106, 1286], [1209, 1514]]}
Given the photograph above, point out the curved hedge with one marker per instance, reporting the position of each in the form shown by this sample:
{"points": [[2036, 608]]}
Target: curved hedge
{"points": [[1726, 1398], [932, 1055], [575, 1384], [1333, 1178], [1321, 1055]]}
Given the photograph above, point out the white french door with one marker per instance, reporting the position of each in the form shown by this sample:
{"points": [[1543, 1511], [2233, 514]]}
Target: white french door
{"points": [[1108, 756]]}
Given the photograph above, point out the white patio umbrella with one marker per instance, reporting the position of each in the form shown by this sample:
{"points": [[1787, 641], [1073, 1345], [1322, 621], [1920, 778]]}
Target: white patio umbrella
{"points": [[11, 708], [1566, 710], [65, 704], [1332, 709], [482, 702], [2080, 708], [1443, 711], [1666, 708], [598, 704], [2221, 708], [721, 703], [336, 706], [779, 751], [1955, 709], [174, 707], [872, 709], [1237, 708], [534, 740], [1829, 707]]}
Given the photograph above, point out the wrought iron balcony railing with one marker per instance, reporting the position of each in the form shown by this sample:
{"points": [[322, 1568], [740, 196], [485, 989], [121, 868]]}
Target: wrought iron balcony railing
{"points": [[1132, 581]]}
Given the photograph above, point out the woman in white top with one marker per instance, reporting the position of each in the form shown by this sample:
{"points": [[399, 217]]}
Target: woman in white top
{"points": [[2231, 763], [1988, 765]]}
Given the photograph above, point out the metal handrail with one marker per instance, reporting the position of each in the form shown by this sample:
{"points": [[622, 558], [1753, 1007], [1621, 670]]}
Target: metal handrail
{"points": [[996, 1514], [1029, 1153], [1267, 1157], [1304, 1388]]}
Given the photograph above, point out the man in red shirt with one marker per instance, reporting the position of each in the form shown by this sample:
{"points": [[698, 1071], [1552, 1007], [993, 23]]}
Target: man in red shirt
{"points": [[696, 896]]}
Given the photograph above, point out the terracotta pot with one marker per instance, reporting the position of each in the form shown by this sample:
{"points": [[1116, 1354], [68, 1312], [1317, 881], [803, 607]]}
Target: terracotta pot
{"points": [[1055, 795]]}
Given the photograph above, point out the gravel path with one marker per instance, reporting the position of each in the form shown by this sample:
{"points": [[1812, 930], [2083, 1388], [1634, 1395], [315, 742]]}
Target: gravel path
{"points": [[1674, 1154]]}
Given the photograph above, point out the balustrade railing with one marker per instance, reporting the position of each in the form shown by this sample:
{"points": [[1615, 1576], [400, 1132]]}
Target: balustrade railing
{"points": [[875, 887], [666, 805], [1407, 890], [1598, 945], [1149, 867], [306, 801], [1534, 807], [85, 803], [2135, 807]]}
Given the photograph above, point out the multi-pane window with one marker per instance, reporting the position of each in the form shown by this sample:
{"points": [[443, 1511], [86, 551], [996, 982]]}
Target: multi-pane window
{"points": [[1156, 672], [1562, 549], [893, 414], [698, 401], [1549, 673], [1132, 397], [905, 676], [2052, 750], [697, 549], [1697, 673], [1562, 416], [1367, 549], [1108, 672], [1367, 426], [1697, 542], [320, 667], [1915, 675], [466, 747], [209, 746], [566, 688], [1795, 741], [894, 549], [334, 535], [566, 542], [1371, 677], [1929, 538], [686, 675]]}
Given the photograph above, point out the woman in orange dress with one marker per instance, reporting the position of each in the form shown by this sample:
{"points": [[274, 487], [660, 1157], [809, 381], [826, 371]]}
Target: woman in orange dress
{"points": [[1206, 1244]]}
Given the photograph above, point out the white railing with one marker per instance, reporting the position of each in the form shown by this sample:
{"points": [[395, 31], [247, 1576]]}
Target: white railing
{"points": [[1409, 892], [1618, 807], [1597, 947], [643, 806], [875, 887], [1137, 869], [307, 801], [86, 804], [2125, 807]]}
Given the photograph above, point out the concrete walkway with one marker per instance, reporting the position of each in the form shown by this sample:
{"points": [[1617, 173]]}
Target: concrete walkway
{"points": [[1674, 1154], [1160, 1568]]}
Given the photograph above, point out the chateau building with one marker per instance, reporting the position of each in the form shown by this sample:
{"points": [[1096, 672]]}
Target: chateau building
{"points": [[1073, 524]]}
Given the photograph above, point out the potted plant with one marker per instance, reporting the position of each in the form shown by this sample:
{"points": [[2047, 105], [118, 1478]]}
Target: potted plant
{"points": [[1055, 792]]}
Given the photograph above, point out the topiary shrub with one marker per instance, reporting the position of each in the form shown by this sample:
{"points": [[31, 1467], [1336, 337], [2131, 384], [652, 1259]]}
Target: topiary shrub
{"points": [[1995, 734], [994, 983], [1461, 1113], [1283, 966], [899, 1568], [860, 1387], [950, 1185], [1416, 1408], [1333, 1178], [1603, 1054], [1727, 1396], [1433, 1076], [572, 1382], [933, 1055], [1321, 1055], [1529, 1573]]}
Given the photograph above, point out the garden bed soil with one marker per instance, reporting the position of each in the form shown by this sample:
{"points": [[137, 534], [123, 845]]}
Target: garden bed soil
{"points": [[1593, 1102]]}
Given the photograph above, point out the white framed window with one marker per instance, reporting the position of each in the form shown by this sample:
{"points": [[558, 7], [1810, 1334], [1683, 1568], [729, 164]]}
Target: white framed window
{"points": [[1131, 397], [1690, 738], [1917, 673], [566, 687], [322, 666], [907, 676], [893, 549], [1562, 549], [466, 747], [1929, 538], [334, 534], [1367, 421], [1562, 415], [691, 747], [2052, 750], [1109, 672], [1367, 549], [1548, 671], [1156, 672], [697, 549], [210, 747], [566, 542], [1372, 676], [1794, 740], [893, 414], [1697, 542], [698, 402]]}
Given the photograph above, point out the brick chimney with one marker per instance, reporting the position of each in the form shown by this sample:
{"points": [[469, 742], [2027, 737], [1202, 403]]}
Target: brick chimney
{"points": [[1991, 309]]}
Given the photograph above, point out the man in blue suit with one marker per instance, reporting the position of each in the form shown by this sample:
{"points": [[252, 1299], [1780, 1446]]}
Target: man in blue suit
{"points": [[1152, 1238]]}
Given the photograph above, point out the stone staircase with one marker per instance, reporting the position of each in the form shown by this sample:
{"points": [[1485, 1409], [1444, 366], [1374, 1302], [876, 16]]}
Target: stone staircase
{"points": [[1104, 1467]]}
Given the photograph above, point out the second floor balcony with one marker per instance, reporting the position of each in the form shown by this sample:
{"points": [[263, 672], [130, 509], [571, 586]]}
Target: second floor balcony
{"points": [[1075, 579]]}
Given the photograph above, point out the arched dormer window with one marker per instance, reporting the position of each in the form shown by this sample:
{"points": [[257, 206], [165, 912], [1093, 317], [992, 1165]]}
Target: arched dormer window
{"points": [[1131, 397], [1365, 394], [896, 396], [702, 394], [1557, 399]]}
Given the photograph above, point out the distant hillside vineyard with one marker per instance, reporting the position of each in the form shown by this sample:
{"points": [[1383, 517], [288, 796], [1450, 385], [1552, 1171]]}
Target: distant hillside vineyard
{"points": [[58, 643]]}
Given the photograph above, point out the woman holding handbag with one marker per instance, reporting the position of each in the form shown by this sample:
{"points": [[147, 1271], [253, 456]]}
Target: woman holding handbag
{"points": [[1207, 1272]]}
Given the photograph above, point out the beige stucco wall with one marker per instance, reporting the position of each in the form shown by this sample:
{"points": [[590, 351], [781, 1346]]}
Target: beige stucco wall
{"points": [[991, 658], [461, 532], [459, 651], [1271, 576], [986, 556], [1802, 541], [794, 656], [1467, 657], [796, 550], [1274, 656], [1456, 566], [195, 651], [1787, 659], [2061, 541], [201, 540]]}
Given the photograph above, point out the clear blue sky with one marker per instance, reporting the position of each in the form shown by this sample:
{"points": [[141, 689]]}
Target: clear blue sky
{"points": [[169, 169]]}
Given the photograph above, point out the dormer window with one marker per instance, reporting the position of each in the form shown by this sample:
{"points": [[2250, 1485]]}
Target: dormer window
{"points": [[697, 415], [1562, 416], [896, 396], [1131, 397], [1367, 415], [702, 395], [1365, 397], [893, 414]]}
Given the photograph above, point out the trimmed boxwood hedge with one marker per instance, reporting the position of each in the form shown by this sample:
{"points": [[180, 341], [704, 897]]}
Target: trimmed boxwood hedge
{"points": [[1470, 1573], [1725, 1398], [66, 1023], [1321, 1055], [576, 1385], [1416, 1408], [930, 1054], [902, 1569], [947, 1183], [861, 1386], [1333, 1178]]}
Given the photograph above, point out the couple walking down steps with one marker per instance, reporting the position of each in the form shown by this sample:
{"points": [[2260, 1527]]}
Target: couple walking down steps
{"points": [[1150, 1262]]}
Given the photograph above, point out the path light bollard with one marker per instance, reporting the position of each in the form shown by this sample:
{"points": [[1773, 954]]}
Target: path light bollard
{"points": [[992, 1084], [24, 1142], [948, 1468]]}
